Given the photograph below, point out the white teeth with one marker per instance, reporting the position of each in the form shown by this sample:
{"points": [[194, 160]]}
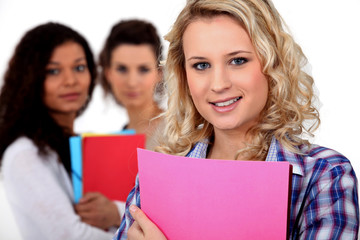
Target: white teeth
{"points": [[227, 103]]}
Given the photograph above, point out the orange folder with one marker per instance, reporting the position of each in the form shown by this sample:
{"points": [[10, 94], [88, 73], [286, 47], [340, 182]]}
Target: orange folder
{"points": [[110, 164]]}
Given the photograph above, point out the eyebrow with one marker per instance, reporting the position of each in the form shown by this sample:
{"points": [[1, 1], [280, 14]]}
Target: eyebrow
{"points": [[141, 64], [76, 61], [237, 52], [229, 54]]}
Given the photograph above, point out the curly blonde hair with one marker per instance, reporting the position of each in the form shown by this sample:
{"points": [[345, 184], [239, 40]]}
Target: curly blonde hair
{"points": [[291, 97]]}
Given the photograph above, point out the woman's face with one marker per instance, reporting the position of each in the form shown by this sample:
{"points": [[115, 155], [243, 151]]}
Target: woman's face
{"points": [[133, 75], [224, 74], [67, 79]]}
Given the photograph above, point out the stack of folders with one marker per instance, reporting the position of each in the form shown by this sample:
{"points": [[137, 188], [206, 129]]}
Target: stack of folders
{"points": [[105, 163], [192, 198]]}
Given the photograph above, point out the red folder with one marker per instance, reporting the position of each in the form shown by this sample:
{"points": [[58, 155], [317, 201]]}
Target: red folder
{"points": [[110, 164]]}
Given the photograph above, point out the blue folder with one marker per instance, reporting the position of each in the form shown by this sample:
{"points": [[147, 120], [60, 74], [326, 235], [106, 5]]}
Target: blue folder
{"points": [[76, 162]]}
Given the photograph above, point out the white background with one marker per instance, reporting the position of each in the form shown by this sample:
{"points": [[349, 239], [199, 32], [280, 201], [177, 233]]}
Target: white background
{"points": [[327, 30]]}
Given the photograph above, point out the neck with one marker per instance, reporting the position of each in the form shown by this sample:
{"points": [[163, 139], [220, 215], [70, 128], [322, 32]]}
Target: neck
{"points": [[227, 144], [65, 120]]}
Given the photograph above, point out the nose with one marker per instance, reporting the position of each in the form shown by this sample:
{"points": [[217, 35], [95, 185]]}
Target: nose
{"points": [[220, 80], [70, 78], [133, 79]]}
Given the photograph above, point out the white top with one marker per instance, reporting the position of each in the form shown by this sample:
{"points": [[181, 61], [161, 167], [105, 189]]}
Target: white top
{"points": [[40, 193]]}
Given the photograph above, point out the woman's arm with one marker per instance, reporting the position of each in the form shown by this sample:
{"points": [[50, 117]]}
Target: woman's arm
{"points": [[331, 206], [39, 191], [97, 210]]}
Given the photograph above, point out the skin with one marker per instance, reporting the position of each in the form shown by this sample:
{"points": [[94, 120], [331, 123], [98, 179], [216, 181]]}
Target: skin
{"points": [[66, 83], [216, 75], [97, 210], [228, 73], [133, 75], [66, 89], [143, 228]]}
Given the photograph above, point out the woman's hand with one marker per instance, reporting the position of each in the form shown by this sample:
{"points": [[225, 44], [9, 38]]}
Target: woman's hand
{"points": [[97, 210], [143, 228]]}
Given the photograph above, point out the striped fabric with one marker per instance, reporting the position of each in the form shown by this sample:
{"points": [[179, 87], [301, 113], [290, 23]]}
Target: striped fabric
{"points": [[324, 198]]}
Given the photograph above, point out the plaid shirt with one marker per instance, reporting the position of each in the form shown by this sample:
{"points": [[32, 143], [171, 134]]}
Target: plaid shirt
{"points": [[324, 199]]}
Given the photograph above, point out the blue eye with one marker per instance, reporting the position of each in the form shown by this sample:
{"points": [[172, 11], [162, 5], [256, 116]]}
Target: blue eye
{"points": [[239, 61], [201, 66], [80, 68], [52, 71]]}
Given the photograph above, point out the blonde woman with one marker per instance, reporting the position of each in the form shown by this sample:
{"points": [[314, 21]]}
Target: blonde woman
{"points": [[237, 91]]}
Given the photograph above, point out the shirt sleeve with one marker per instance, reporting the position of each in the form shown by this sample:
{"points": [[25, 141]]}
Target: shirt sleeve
{"points": [[127, 221], [41, 202], [331, 210]]}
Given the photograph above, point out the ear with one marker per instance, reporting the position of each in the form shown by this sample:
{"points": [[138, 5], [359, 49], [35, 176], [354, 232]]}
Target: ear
{"points": [[160, 73], [107, 73]]}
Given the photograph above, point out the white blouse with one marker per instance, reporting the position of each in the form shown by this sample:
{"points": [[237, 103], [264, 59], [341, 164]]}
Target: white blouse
{"points": [[40, 193]]}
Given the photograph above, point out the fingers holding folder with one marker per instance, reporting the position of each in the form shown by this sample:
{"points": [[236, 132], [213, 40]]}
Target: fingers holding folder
{"points": [[97, 210], [143, 228]]}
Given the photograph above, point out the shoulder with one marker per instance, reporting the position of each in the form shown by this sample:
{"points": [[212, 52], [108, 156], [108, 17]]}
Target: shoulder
{"points": [[20, 154], [21, 144], [324, 154], [314, 160], [319, 160]]}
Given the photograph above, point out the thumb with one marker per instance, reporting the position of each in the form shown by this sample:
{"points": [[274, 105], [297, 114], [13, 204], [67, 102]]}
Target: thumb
{"points": [[140, 217], [89, 196]]}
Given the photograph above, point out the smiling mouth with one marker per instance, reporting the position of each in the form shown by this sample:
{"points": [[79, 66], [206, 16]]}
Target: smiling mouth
{"points": [[226, 103]]}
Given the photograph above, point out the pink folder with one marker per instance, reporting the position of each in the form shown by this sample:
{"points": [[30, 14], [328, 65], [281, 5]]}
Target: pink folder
{"points": [[193, 199], [110, 164]]}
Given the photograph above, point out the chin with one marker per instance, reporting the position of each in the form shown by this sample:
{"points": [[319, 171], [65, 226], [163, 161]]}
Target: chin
{"points": [[229, 126], [133, 105], [225, 126], [71, 110]]}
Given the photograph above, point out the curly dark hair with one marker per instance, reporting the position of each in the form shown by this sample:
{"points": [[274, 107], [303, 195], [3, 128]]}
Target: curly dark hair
{"points": [[132, 31], [22, 109]]}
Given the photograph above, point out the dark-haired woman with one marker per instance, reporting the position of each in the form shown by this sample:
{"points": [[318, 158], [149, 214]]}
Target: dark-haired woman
{"points": [[130, 61], [48, 83]]}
